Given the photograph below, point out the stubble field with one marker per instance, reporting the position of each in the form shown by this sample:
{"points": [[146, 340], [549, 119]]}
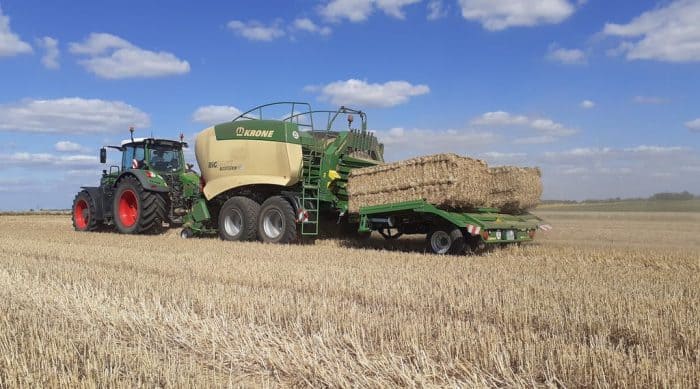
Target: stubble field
{"points": [[605, 299]]}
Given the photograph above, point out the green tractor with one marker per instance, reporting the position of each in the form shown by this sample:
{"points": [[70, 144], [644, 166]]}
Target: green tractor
{"points": [[152, 186]]}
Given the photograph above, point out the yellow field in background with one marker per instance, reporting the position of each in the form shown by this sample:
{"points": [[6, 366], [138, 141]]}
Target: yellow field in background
{"points": [[605, 299]]}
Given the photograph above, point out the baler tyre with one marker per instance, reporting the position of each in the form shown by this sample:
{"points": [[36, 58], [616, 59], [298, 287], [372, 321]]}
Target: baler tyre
{"points": [[137, 210], [446, 240], [83, 214], [277, 221], [238, 219]]}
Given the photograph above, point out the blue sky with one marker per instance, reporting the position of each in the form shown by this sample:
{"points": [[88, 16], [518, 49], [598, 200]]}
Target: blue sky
{"points": [[603, 96]]}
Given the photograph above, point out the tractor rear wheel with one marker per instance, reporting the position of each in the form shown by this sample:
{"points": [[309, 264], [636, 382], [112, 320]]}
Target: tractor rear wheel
{"points": [[83, 214], [446, 240], [137, 210], [277, 221], [237, 219]]}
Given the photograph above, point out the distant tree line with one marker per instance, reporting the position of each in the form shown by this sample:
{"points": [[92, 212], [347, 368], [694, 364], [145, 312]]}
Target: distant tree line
{"points": [[685, 195]]}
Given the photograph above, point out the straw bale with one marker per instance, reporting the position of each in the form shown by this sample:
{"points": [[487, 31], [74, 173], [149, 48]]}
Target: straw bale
{"points": [[514, 188], [446, 180]]}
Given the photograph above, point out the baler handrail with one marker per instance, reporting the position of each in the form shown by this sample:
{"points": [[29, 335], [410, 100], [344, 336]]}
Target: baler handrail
{"points": [[341, 110], [259, 108], [295, 115]]}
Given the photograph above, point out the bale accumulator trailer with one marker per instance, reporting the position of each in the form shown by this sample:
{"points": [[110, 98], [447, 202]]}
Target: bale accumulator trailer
{"points": [[278, 180]]}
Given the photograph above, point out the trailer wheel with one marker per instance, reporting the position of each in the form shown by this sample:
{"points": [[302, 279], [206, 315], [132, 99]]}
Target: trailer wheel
{"points": [[186, 233], [237, 218], [277, 222], [446, 240], [83, 214]]}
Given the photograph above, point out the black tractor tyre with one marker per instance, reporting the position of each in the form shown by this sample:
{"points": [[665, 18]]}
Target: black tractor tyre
{"points": [[84, 211], [137, 210], [277, 221], [238, 219], [446, 240]]}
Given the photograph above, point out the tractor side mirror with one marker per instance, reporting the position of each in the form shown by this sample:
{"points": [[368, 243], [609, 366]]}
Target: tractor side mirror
{"points": [[103, 155]]}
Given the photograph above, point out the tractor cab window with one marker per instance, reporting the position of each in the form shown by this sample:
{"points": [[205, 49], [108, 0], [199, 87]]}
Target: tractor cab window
{"points": [[164, 158], [131, 153]]}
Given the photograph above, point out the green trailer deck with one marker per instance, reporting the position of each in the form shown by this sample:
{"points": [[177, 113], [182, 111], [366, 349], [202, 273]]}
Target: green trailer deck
{"points": [[479, 227]]}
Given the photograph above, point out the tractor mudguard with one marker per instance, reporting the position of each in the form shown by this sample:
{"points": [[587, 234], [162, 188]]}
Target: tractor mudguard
{"points": [[153, 184], [98, 197]]}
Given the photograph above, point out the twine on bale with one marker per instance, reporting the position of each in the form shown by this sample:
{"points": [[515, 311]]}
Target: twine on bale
{"points": [[446, 180]]}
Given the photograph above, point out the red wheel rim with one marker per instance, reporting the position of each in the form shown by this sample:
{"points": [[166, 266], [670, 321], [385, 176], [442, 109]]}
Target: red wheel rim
{"points": [[80, 214], [128, 208]]}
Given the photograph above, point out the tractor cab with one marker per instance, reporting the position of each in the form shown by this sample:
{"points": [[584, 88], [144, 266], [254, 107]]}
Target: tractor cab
{"points": [[159, 155]]}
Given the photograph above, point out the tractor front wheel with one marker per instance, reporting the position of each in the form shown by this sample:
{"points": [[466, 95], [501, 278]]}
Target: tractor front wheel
{"points": [[83, 214], [137, 210]]}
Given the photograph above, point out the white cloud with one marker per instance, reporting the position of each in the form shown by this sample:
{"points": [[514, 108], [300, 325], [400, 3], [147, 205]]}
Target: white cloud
{"points": [[496, 157], [363, 94], [587, 104], [499, 155], [214, 114], [112, 57], [644, 149], [579, 153], [360, 10], [436, 10], [67, 146], [98, 43], [670, 33], [394, 8], [51, 52], [352, 10], [24, 159], [551, 127], [649, 100], [306, 24], [71, 115], [546, 129], [256, 31], [566, 56], [693, 125], [535, 140], [496, 15], [402, 143], [573, 171], [10, 43], [500, 118], [636, 152]]}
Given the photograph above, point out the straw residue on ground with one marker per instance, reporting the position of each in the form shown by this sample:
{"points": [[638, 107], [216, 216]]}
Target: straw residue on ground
{"points": [[603, 300]]}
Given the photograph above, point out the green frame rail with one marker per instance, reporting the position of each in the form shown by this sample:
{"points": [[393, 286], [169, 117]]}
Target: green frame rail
{"points": [[487, 219]]}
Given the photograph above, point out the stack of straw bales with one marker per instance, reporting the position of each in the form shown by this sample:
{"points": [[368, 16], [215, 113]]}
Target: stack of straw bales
{"points": [[446, 180]]}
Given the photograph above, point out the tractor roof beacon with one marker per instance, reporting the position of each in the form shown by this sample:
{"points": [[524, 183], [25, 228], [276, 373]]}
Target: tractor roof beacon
{"points": [[150, 186]]}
